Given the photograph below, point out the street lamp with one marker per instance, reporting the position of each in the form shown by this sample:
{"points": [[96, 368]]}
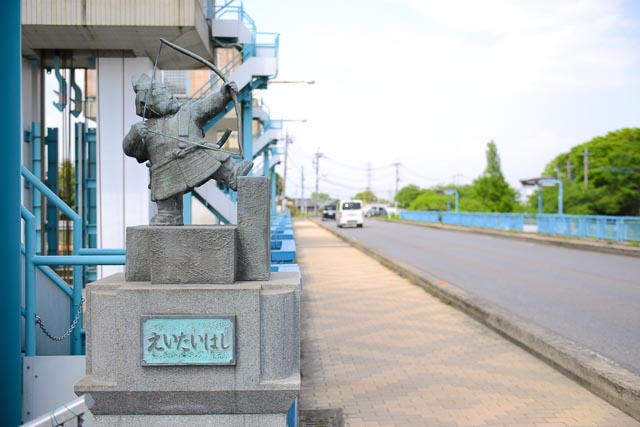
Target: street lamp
{"points": [[449, 192]]}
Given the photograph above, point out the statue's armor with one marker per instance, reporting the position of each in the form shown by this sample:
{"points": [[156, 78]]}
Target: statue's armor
{"points": [[176, 167]]}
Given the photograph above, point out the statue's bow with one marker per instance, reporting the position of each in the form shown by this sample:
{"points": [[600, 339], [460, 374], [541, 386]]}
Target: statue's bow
{"points": [[215, 69]]}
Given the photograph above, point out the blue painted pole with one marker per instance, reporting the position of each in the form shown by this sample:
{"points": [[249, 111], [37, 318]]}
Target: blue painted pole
{"points": [[10, 138], [273, 191], [36, 167], [79, 260], [247, 127], [51, 226], [78, 284], [187, 213], [265, 157], [29, 282], [559, 197], [539, 199], [456, 201]]}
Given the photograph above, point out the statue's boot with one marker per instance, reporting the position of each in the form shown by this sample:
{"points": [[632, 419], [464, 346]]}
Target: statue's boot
{"points": [[230, 171], [169, 212]]}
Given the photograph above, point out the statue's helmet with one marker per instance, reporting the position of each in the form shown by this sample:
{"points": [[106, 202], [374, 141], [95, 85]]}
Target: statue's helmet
{"points": [[156, 96]]}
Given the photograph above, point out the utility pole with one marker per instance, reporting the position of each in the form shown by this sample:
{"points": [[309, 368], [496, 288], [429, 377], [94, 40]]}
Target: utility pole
{"points": [[368, 176], [284, 177], [586, 155], [303, 202], [556, 168], [316, 162], [397, 165], [569, 169]]}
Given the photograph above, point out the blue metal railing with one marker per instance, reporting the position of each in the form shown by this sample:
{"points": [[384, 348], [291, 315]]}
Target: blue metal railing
{"points": [[591, 226], [234, 13], [582, 226], [498, 221], [424, 216], [78, 258]]}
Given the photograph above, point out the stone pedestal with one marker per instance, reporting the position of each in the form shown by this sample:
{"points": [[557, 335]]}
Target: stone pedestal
{"points": [[178, 341], [256, 391]]}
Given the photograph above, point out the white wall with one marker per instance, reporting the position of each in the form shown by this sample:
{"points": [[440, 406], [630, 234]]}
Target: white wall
{"points": [[123, 194]]}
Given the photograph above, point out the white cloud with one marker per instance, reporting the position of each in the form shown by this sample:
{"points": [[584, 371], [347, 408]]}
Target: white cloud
{"points": [[430, 82]]}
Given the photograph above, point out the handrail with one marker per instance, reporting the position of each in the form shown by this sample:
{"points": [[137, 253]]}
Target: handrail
{"points": [[79, 257], [249, 50], [238, 13], [66, 413], [50, 195]]}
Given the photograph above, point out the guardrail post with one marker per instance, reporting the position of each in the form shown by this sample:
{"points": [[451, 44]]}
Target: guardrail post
{"points": [[29, 283], [620, 230], [76, 335]]}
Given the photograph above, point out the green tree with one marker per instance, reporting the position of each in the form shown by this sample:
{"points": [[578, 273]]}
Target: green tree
{"points": [[614, 177], [320, 197], [406, 195], [492, 188], [366, 196], [429, 200]]}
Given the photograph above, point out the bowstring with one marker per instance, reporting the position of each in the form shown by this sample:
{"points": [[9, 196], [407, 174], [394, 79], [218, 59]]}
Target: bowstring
{"points": [[153, 77], [146, 101]]}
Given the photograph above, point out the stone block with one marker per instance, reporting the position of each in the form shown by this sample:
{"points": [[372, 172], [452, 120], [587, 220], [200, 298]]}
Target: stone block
{"points": [[254, 225], [193, 254], [138, 256]]}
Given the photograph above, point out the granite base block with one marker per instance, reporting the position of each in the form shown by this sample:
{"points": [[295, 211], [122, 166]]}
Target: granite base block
{"points": [[264, 380], [258, 420]]}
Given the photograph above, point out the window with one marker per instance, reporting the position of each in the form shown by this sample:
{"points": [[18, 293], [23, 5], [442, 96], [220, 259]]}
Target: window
{"points": [[351, 205]]}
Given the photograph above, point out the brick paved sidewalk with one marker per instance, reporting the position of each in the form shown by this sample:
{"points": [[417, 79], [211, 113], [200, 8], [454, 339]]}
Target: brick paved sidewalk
{"points": [[389, 354]]}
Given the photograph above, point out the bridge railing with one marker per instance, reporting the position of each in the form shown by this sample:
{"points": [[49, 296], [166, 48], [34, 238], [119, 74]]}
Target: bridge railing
{"points": [[425, 216], [591, 226], [499, 221], [619, 228]]}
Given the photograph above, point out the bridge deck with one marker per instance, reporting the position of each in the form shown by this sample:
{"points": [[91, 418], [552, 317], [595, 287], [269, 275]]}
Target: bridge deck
{"points": [[388, 354]]}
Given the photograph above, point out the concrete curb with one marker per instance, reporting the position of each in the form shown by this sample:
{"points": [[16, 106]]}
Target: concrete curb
{"points": [[616, 385], [587, 245]]}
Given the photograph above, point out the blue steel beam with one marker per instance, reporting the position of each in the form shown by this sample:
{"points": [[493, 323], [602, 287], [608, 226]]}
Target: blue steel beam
{"points": [[10, 138], [51, 226], [36, 167]]}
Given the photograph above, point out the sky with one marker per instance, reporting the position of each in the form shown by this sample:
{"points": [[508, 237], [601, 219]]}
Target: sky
{"points": [[428, 83]]}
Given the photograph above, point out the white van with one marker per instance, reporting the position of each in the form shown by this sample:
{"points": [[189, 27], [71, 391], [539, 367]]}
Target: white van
{"points": [[350, 212]]}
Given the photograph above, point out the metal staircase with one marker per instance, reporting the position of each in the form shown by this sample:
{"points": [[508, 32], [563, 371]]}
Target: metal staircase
{"points": [[255, 62]]}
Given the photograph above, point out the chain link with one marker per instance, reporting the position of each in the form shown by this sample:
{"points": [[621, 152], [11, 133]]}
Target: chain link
{"points": [[66, 334]]}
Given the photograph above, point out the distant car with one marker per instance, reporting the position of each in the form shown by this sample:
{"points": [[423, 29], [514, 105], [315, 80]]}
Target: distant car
{"points": [[350, 212], [376, 211], [329, 212]]}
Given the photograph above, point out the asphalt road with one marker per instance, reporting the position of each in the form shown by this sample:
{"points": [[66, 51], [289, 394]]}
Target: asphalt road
{"points": [[591, 298]]}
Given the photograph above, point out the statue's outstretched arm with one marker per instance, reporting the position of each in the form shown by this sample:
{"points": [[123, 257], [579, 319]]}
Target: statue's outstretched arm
{"points": [[134, 145], [209, 107]]}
